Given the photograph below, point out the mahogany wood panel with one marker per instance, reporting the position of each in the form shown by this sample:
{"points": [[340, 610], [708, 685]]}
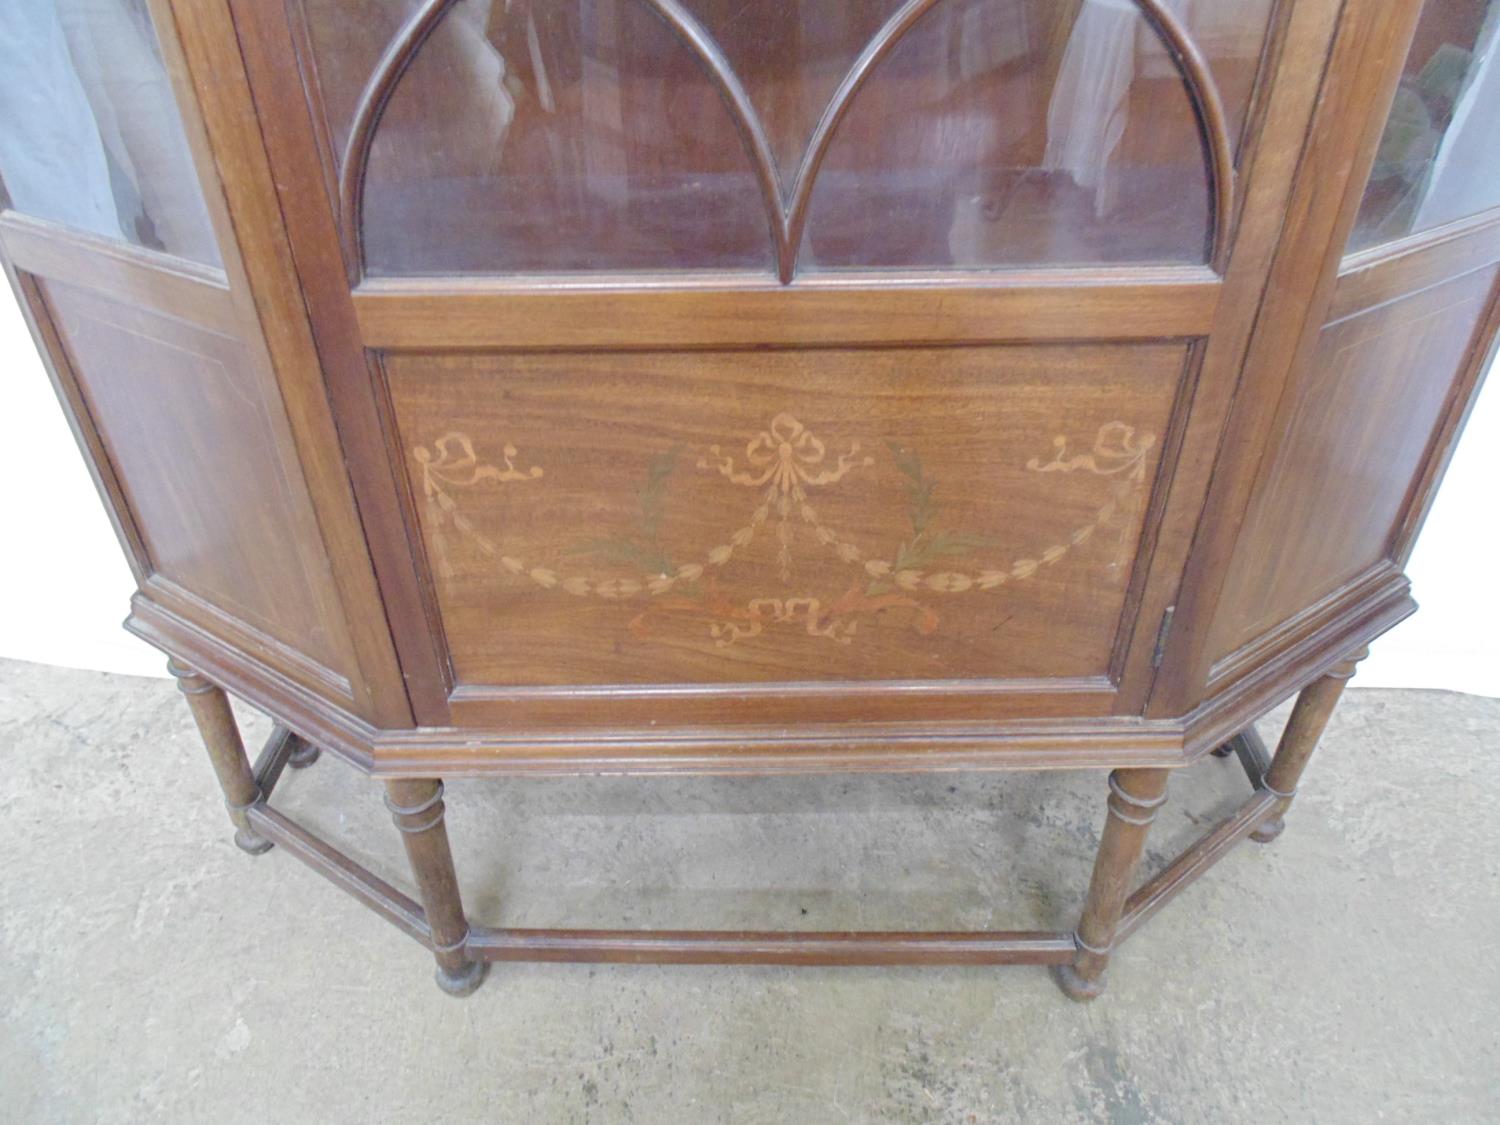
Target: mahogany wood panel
{"points": [[203, 459], [727, 517], [1354, 434]]}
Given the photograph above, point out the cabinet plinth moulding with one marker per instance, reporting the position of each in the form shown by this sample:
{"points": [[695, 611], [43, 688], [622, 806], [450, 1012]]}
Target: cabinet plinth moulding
{"points": [[815, 391]]}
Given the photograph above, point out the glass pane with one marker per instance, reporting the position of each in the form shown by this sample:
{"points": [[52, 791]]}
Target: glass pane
{"points": [[553, 138], [1439, 158], [585, 134], [1022, 132], [89, 133], [791, 55], [346, 38]]}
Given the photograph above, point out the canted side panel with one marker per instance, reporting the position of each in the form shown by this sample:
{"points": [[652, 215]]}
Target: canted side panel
{"points": [[739, 517], [1355, 438], [205, 465]]}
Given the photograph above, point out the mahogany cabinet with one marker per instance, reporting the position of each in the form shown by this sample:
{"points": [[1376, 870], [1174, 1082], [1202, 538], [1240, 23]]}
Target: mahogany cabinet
{"points": [[738, 386]]}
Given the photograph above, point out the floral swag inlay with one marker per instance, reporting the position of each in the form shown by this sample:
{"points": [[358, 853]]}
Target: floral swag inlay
{"points": [[784, 465]]}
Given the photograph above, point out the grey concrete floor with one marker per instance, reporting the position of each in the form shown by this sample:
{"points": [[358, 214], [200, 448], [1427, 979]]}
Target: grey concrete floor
{"points": [[149, 971]]}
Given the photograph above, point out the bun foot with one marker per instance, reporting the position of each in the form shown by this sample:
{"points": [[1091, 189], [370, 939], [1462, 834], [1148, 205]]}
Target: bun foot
{"points": [[251, 844], [1077, 987], [303, 754], [1268, 831], [465, 981]]}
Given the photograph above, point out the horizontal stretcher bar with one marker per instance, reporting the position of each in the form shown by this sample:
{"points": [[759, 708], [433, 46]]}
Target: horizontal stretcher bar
{"points": [[703, 947]]}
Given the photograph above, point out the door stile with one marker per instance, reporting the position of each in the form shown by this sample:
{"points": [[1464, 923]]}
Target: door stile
{"points": [[1369, 47], [1306, 42], [244, 125], [194, 43]]}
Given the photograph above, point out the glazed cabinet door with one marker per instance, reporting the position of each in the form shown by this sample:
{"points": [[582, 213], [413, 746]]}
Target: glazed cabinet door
{"points": [[1386, 373], [797, 364], [118, 242]]}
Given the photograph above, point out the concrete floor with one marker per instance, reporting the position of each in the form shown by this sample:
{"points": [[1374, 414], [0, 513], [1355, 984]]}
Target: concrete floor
{"points": [[149, 971]]}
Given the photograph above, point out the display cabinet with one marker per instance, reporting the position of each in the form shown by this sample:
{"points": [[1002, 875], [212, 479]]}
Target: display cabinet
{"points": [[696, 386]]}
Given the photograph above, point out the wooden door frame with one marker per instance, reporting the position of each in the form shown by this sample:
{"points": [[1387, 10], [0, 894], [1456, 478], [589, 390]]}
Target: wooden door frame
{"points": [[1014, 306], [1363, 71], [225, 302]]}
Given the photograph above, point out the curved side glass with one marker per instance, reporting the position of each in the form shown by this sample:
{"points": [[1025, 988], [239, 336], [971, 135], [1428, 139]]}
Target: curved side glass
{"points": [[90, 135], [1439, 158], [585, 135]]}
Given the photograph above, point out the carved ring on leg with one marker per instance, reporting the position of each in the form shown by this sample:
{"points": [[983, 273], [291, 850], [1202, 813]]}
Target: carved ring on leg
{"points": [[226, 752], [1074, 984], [417, 808], [1299, 739], [1135, 795]]}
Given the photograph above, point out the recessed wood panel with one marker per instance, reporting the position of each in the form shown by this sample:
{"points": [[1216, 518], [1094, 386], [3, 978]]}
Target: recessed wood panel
{"points": [[1354, 437], [723, 517], [204, 460]]}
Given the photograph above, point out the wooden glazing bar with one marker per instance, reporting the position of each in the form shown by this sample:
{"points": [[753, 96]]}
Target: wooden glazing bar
{"points": [[1400, 269], [342, 871], [751, 947], [145, 278]]}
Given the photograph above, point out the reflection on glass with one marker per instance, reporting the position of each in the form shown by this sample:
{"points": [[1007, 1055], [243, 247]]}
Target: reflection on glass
{"points": [[1439, 157], [791, 55], [89, 133], [585, 135], [1026, 133], [549, 137]]}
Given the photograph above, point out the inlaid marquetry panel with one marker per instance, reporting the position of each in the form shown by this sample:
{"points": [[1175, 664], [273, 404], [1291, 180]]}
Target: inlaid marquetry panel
{"points": [[964, 513], [1352, 440], [204, 459]]}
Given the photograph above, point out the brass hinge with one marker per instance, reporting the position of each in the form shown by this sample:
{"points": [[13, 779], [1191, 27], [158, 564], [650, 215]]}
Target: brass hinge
{"points": [[1161, 636]]}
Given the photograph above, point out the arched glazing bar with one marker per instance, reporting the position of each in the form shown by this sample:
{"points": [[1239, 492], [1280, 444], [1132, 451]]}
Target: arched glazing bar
{"points": [[786, 212]]}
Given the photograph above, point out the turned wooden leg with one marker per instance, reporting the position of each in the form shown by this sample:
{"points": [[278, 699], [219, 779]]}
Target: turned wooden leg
{"points": [[210, 707], [417, 807], [1134, 797], [1298, 741], [303, 754]]}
